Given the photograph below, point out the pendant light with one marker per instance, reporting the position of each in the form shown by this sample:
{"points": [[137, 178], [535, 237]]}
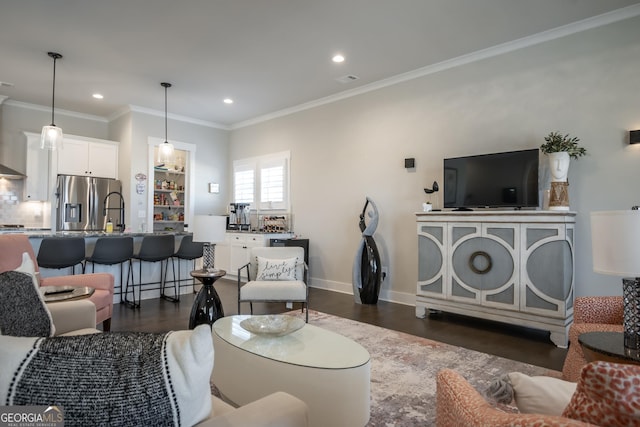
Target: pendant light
{"points": [[51, 138], [165, 150]]}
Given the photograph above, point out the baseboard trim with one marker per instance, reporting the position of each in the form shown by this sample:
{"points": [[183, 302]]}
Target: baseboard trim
{"points": [[347, 288]]}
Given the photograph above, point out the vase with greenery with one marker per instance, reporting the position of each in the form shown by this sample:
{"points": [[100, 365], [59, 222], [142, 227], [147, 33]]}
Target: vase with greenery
{"points": [[555, 142]]}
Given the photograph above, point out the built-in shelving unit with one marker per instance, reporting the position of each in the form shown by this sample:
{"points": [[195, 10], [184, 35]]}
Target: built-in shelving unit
{"points": [[169, 191]]}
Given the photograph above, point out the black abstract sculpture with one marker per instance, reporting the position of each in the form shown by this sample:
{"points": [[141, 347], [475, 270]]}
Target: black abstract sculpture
{"points": [[367, 270]]}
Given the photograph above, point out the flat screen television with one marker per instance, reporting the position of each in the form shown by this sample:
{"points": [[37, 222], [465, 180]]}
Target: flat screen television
{"points": [[498, 180]]}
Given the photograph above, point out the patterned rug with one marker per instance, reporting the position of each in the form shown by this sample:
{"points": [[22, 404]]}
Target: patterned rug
{"points": [[404, 367]]}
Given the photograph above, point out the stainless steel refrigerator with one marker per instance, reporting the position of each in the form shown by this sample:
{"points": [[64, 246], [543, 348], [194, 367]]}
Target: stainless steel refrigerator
{"points": [[85, 203]]}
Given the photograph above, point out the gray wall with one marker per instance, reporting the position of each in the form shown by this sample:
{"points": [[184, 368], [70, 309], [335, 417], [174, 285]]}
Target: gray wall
{"points": [[585, 84], [132, 130]]}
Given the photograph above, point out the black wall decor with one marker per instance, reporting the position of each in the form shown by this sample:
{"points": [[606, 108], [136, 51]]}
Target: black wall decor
{"points": [[410, 163], [634, 137]]}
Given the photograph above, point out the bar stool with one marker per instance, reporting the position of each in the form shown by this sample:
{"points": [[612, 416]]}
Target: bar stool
{"points": [[61, 252], [188, 250], [157, 248], [111, 251]]}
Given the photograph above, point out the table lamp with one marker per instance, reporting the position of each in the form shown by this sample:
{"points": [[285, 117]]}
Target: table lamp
{"points": [[615, 239], [209, 229]]}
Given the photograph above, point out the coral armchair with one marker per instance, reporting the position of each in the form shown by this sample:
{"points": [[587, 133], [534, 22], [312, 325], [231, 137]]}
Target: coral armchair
{"points": [[12, 246], [459, 404], [590, 314]]}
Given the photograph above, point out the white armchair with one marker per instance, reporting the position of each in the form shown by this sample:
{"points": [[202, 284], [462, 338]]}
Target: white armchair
{"points": [[274, 274]]}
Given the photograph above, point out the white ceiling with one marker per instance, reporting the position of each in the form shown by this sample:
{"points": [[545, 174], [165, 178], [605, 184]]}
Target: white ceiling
{"points": [[268, 55]]}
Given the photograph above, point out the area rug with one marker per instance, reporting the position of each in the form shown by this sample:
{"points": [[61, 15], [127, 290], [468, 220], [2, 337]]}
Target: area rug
{"points": [[404, 368]]}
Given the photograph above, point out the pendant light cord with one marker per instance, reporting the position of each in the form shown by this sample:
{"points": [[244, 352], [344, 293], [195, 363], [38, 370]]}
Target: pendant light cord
{"points": [[53, 97], [165, 85], [55, 57]]}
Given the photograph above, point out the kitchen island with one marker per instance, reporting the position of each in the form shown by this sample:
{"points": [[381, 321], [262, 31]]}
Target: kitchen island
{"points": [[231, 253]]}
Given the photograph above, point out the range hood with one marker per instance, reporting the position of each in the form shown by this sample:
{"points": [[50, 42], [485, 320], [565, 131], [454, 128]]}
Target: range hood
{"points": [[8, 173]]}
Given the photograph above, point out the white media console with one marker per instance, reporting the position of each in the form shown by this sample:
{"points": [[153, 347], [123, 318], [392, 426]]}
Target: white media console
{"points": [[515, 267]]}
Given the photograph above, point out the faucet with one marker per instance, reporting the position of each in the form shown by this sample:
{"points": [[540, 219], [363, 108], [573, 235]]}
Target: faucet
{"points": [[121, 209]]}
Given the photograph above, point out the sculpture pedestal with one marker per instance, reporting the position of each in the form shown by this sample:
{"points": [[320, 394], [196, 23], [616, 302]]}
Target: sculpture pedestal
{"points": [[559, 196]]}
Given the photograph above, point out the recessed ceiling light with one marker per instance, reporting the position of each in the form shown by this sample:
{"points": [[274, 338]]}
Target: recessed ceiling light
{"points": [[97, 96], [338, 58], [228, 101]]}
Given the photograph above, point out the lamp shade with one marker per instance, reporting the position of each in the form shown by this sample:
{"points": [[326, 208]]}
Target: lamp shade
{"points": [[51, 138], [209, 228], [615, 240]]}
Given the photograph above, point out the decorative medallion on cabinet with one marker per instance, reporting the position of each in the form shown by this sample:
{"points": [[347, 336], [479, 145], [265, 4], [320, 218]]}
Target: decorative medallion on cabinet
{"points": [[515, 267]]}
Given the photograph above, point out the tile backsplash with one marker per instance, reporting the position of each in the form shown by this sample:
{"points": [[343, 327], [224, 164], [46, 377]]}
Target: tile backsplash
{"points": [[13, 210]]}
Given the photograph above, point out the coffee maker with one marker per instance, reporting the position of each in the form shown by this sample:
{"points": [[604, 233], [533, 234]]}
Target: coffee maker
{"points": [[239, 217]]}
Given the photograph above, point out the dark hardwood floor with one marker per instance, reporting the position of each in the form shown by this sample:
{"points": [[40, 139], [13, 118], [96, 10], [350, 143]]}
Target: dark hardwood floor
{"points": [[522, 344]]}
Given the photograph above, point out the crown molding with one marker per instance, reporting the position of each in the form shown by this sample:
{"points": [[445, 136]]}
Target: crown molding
{"points": [[500, 49], [152, 112], [37, 107]]}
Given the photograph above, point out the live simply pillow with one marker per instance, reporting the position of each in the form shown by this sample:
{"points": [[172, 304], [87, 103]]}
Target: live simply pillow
{"points": [[276, 269]]}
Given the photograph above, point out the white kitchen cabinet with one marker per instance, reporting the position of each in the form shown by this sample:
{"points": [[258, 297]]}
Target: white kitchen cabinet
{"points": [[515, 267], [88, 158], [37, 180]]}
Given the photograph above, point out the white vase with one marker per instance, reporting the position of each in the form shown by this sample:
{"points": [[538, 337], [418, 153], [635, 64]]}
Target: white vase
{"points": [[559, 192], [559, 166]]}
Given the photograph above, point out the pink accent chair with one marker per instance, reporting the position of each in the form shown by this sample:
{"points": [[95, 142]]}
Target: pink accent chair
{"points": [[590, 314], [12, 246], [459, 404]]}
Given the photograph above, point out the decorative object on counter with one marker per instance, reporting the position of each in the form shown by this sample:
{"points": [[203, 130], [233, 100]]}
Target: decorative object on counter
{"points": [[165, 150], [209, 229], [239, 217], [614, 241], [274, 223], [560, 149], [367, 271], [51, 138]]}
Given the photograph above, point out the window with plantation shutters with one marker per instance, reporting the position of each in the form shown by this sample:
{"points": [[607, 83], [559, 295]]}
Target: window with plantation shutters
{"points": [[263, 181], [244, 182]]}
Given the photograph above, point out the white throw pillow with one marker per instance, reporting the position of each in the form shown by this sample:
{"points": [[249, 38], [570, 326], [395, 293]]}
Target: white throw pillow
{"points": [[276, 269], [541, 395], [112, 378]]}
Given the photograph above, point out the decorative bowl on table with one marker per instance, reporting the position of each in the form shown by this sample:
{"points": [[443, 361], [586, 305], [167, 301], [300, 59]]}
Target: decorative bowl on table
{"points": [[274, 325]]}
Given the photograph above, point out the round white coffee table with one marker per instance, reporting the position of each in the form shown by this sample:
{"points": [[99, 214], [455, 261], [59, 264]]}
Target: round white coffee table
{"points": [[328, 371]]}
